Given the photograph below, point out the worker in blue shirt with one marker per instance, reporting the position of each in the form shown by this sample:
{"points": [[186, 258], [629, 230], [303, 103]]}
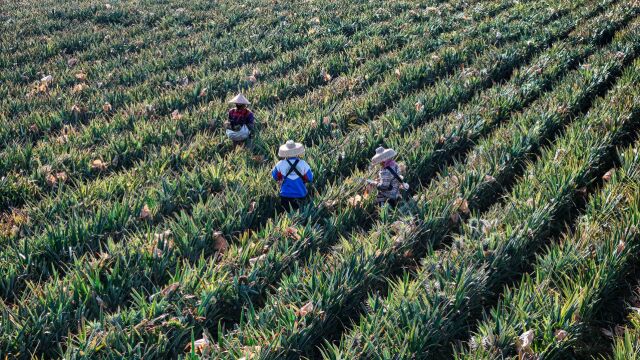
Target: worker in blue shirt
{"points": [[292, 173]]}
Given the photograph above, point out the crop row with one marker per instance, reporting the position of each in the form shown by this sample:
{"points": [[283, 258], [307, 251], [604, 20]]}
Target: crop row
{"points": [[578, 276], [338, 281], [27, 56], [426, 314], [25, 252], [123, 151], [238, 221], [32, 24], [110, 90], [211, 307], [189, 46], [201, 150], [209, 216], [627, 345], [196, 228]]}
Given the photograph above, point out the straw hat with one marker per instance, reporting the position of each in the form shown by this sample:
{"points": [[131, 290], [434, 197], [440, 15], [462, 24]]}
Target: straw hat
{"points": [[383, 154], [290, 149], [239, 99]]}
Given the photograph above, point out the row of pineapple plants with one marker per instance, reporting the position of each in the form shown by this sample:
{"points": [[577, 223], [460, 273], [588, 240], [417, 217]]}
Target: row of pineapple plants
{"points": [[166, 136], [332, 288], [206, 65], [49, 214], [454, 284], [221, 61], [179, 51], [626, 344], [41, 21], [61, 43], [202, 152], [60, 255], [265, 273], [204, 149], [548, 313], [230, 78], [145, 136]]}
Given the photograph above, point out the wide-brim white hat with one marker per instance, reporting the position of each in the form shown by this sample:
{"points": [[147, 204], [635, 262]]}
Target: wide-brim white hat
{"points": [[290, 149], [239, 99], [383, 154]]}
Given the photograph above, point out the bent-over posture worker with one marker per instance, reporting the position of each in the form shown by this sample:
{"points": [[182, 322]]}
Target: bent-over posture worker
{"points": [[240, 124], [389, 181], [292, 173]]}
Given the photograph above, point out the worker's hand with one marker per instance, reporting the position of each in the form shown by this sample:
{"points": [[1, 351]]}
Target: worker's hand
{"points": [[371, 186], [404, 186], [226, 124]]}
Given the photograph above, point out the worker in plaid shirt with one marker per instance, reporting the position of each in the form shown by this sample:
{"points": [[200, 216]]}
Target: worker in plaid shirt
{"points": [[239, 117], [389, 180]]}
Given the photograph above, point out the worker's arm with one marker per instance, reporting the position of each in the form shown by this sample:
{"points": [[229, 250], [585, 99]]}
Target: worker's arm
{"points": [[250, 120], [227, 124], [308, 176], [305, 171], [276, 174]]}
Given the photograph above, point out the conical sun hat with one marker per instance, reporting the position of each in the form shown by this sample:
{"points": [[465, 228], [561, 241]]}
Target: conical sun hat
{"points": [[290, 149], [239, 99], [383, 154]]}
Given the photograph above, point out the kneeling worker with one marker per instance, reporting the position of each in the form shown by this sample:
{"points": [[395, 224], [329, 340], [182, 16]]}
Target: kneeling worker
{"points": [[241, 120]]}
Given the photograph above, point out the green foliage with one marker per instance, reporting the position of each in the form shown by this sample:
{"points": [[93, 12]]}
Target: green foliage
{"points": [[131, 227]]}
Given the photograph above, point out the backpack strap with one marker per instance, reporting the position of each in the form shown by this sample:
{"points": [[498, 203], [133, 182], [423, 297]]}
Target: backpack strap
{"points": [[294, 168], [395, 175]]}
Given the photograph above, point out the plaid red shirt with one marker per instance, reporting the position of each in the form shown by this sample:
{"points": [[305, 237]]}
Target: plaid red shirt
{"points": [[239, 117]]}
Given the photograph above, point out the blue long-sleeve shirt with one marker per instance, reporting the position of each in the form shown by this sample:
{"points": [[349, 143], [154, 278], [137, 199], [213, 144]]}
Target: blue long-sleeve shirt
{"points": [[292, 185]]}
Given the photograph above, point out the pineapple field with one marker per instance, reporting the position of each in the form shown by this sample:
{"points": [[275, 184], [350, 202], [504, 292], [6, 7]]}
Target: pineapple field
{"points": [[133, 227]]}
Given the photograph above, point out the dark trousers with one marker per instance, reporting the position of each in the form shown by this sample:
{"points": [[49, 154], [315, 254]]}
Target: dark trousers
{"points": [[391, 202], [288, 203]]}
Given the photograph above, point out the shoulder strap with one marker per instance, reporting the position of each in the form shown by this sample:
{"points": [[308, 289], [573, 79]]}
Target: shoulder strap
{"points": [[294, 168], [394, 173]]}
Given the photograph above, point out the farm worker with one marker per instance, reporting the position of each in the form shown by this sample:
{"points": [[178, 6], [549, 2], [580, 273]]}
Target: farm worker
{"points": [[389, 180], [241, 120], [292, 173]]}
